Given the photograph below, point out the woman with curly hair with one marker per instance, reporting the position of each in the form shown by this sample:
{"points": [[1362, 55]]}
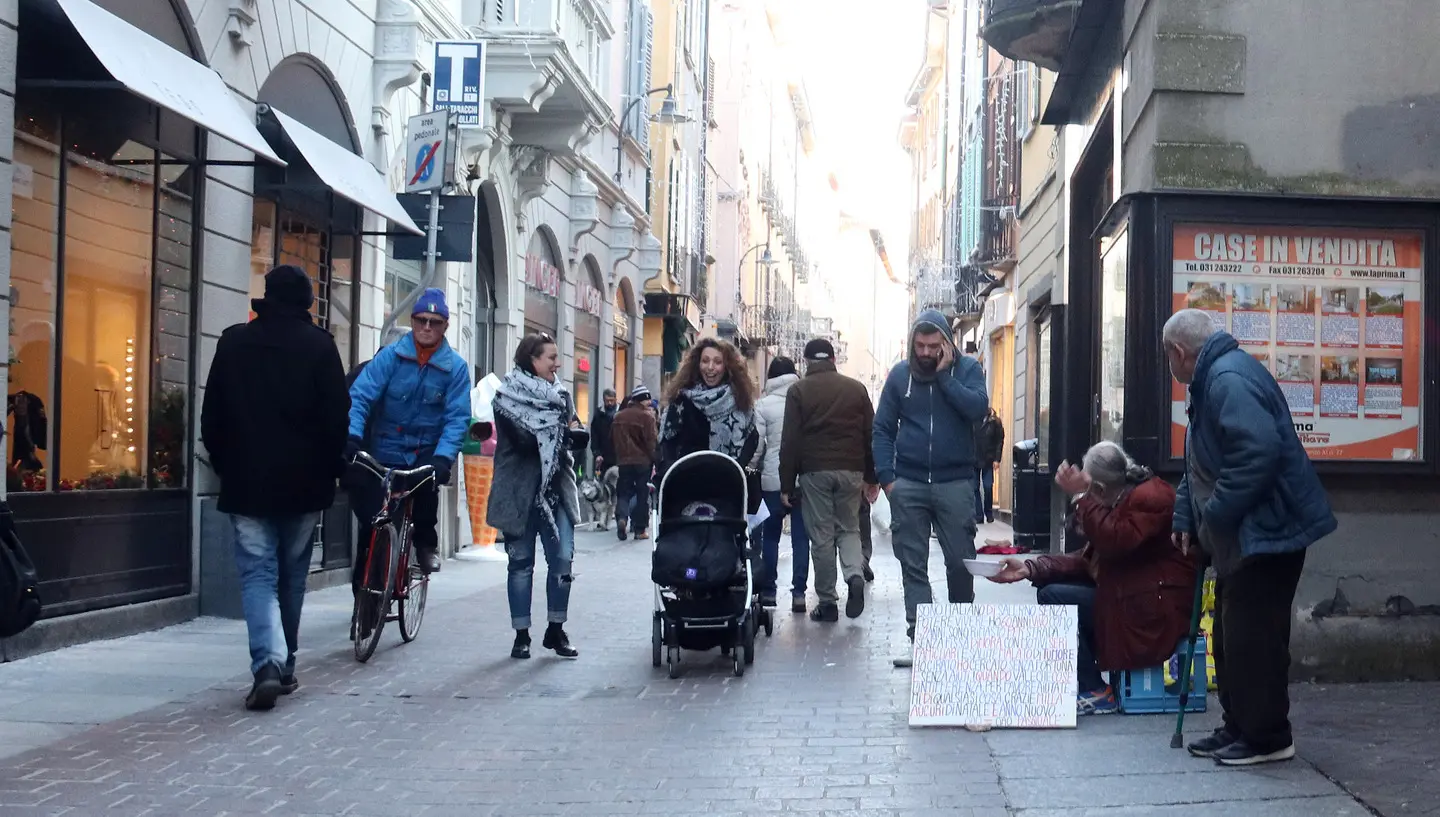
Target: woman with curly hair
{"points": [[711, 407]]}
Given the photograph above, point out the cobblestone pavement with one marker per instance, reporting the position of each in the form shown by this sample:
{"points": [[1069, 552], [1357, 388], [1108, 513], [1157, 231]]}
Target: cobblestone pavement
{"points": [[450, 725]]}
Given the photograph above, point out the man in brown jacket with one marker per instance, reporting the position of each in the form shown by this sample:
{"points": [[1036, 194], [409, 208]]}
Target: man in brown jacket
{"points": [[634, 435], [825, 449]]}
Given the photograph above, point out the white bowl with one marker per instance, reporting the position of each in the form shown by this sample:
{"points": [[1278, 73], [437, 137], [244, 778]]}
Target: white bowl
{"points": [[982, 568]]}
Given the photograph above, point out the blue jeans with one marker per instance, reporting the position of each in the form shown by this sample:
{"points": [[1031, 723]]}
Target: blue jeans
{"points": [[559, 553], [770, 532], [272, 554], [1083, 597], [984, 493]]}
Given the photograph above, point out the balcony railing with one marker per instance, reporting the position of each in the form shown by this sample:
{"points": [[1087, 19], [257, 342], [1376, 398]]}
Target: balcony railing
{"points": [[1035, 31]]}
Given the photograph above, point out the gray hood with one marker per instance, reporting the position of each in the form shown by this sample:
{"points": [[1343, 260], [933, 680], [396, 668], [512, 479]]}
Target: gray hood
{"points": [[930, 317]]}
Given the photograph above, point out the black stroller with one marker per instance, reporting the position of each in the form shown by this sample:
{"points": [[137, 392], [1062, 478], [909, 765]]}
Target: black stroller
{"points": [[701, 564]]}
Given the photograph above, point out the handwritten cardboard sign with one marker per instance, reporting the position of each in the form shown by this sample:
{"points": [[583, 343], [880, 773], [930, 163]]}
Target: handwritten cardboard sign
{"points": [[994, 665]]}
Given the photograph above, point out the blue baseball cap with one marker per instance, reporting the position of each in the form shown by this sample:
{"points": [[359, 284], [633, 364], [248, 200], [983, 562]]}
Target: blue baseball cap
{"points": [[432, 302]]}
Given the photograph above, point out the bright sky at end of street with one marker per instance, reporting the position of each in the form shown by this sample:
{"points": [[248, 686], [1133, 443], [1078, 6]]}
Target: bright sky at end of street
{"points": [[858, 59]]}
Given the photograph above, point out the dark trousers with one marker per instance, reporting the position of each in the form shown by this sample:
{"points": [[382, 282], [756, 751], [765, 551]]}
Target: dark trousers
{"points": [[632, 497], [366, 499], [984, 493], [1083, 597], [1252, 648], [867, 546]]}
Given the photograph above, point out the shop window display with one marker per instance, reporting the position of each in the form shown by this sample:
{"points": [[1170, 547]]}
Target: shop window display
{"points": [[100, 337]]}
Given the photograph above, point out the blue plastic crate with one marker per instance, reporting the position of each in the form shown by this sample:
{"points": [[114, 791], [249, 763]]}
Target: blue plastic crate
{"points": [[1143, 692]]}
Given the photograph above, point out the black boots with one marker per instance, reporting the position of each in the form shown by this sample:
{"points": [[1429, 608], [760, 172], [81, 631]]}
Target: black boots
{"points": [[521, 649], [555, 639]]}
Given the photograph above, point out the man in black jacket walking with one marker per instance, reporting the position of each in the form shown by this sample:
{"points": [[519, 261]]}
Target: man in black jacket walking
{"points": [[989, 449], [274, 422]]}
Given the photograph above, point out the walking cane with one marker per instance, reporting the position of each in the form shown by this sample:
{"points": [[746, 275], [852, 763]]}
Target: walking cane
{"points": [[1177, 740]]}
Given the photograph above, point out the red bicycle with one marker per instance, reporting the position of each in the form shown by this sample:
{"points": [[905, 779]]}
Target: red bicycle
{"points": [[390, 576]]}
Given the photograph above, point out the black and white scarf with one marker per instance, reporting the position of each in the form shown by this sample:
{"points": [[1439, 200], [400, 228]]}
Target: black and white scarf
{"points": [[543, 409], [729, 426]]}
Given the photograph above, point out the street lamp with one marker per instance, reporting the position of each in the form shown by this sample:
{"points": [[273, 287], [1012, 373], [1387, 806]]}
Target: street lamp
{"points": [[766, 260], [669, 114]]}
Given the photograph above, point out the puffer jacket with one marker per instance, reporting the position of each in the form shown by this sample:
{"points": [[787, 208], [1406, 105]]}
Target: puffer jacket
{"points": [[425, 411], [770, 422], [1267, 493]]}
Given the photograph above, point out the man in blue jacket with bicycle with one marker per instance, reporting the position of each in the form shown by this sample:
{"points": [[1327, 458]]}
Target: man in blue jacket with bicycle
{"points": [[410, 406], [1251, 500]]}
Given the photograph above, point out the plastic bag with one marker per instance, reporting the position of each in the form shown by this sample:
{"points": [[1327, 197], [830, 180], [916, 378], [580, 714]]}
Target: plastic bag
{"points": [[481, 396], [880, 517]]}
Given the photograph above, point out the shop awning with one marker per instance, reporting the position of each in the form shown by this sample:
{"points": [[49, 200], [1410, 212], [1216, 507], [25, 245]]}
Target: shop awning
{"points": [[154, 71], [349, 175]]}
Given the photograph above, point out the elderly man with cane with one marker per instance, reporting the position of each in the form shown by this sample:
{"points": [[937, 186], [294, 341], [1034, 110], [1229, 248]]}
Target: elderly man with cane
{"points": [[1251, 500]]}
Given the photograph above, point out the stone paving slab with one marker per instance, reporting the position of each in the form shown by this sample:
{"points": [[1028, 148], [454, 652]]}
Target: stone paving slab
{"points": [[1378, 741], [450, 725]]}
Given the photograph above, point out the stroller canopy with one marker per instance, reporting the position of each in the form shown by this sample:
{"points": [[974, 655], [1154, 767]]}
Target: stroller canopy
{"points": [[706, 484]]}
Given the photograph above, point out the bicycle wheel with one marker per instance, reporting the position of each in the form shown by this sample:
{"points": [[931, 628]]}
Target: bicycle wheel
{"points": [[417, 587], [372, 601]]}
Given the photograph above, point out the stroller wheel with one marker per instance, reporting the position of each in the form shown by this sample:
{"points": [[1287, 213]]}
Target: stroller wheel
{"points": [[769, 623], [739, 665], [657, 641], [672, 662]]}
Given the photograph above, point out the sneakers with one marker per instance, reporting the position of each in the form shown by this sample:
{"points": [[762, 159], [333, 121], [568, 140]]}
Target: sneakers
{"points": [[289, 683], [521, 648], [855, 600], [555, 639], [266, 689], [620, 531], [642, 536], [797, 603], [869, 574], [1241, 753], [1099, 702], [429, 559], [1208, 746], [767, 599], [825, 612]]}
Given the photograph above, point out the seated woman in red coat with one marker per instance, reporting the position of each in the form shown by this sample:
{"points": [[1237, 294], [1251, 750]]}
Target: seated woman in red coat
{"points": [[1132, 586]]}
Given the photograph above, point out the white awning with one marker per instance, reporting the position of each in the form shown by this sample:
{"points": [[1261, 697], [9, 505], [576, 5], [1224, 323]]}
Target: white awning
{"points": [[155, 71], [349, 175]]}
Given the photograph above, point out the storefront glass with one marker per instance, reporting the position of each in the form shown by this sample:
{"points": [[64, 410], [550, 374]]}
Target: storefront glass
{"points": [[114, 275], [281, 236], [620, 328], [542, 288], [1114, 255], [589, 303]]}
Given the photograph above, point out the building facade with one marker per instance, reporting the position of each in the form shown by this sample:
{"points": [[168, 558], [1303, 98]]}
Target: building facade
{"points": [[203, 145], [1210, 160]]}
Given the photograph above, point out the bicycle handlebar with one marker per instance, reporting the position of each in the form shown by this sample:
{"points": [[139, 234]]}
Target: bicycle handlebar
{"points": [[423, 473]]}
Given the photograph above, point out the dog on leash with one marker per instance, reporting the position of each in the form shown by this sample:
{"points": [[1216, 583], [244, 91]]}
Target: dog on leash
{"points": [[599, 495]]}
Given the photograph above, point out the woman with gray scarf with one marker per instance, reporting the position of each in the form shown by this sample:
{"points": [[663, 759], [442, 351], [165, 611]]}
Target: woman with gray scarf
{"points": [[534, 493], [711, 408]]}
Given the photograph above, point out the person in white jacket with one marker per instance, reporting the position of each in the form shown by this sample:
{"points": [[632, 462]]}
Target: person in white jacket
{"points": [[770, 421]]}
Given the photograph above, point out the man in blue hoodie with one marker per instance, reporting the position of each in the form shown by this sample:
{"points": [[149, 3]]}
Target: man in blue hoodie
{"points": [[1251, 500], [924, 445]]}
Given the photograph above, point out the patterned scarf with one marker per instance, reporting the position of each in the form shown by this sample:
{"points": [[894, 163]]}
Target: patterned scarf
{"points": [[541, 408], [729, 426]]}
